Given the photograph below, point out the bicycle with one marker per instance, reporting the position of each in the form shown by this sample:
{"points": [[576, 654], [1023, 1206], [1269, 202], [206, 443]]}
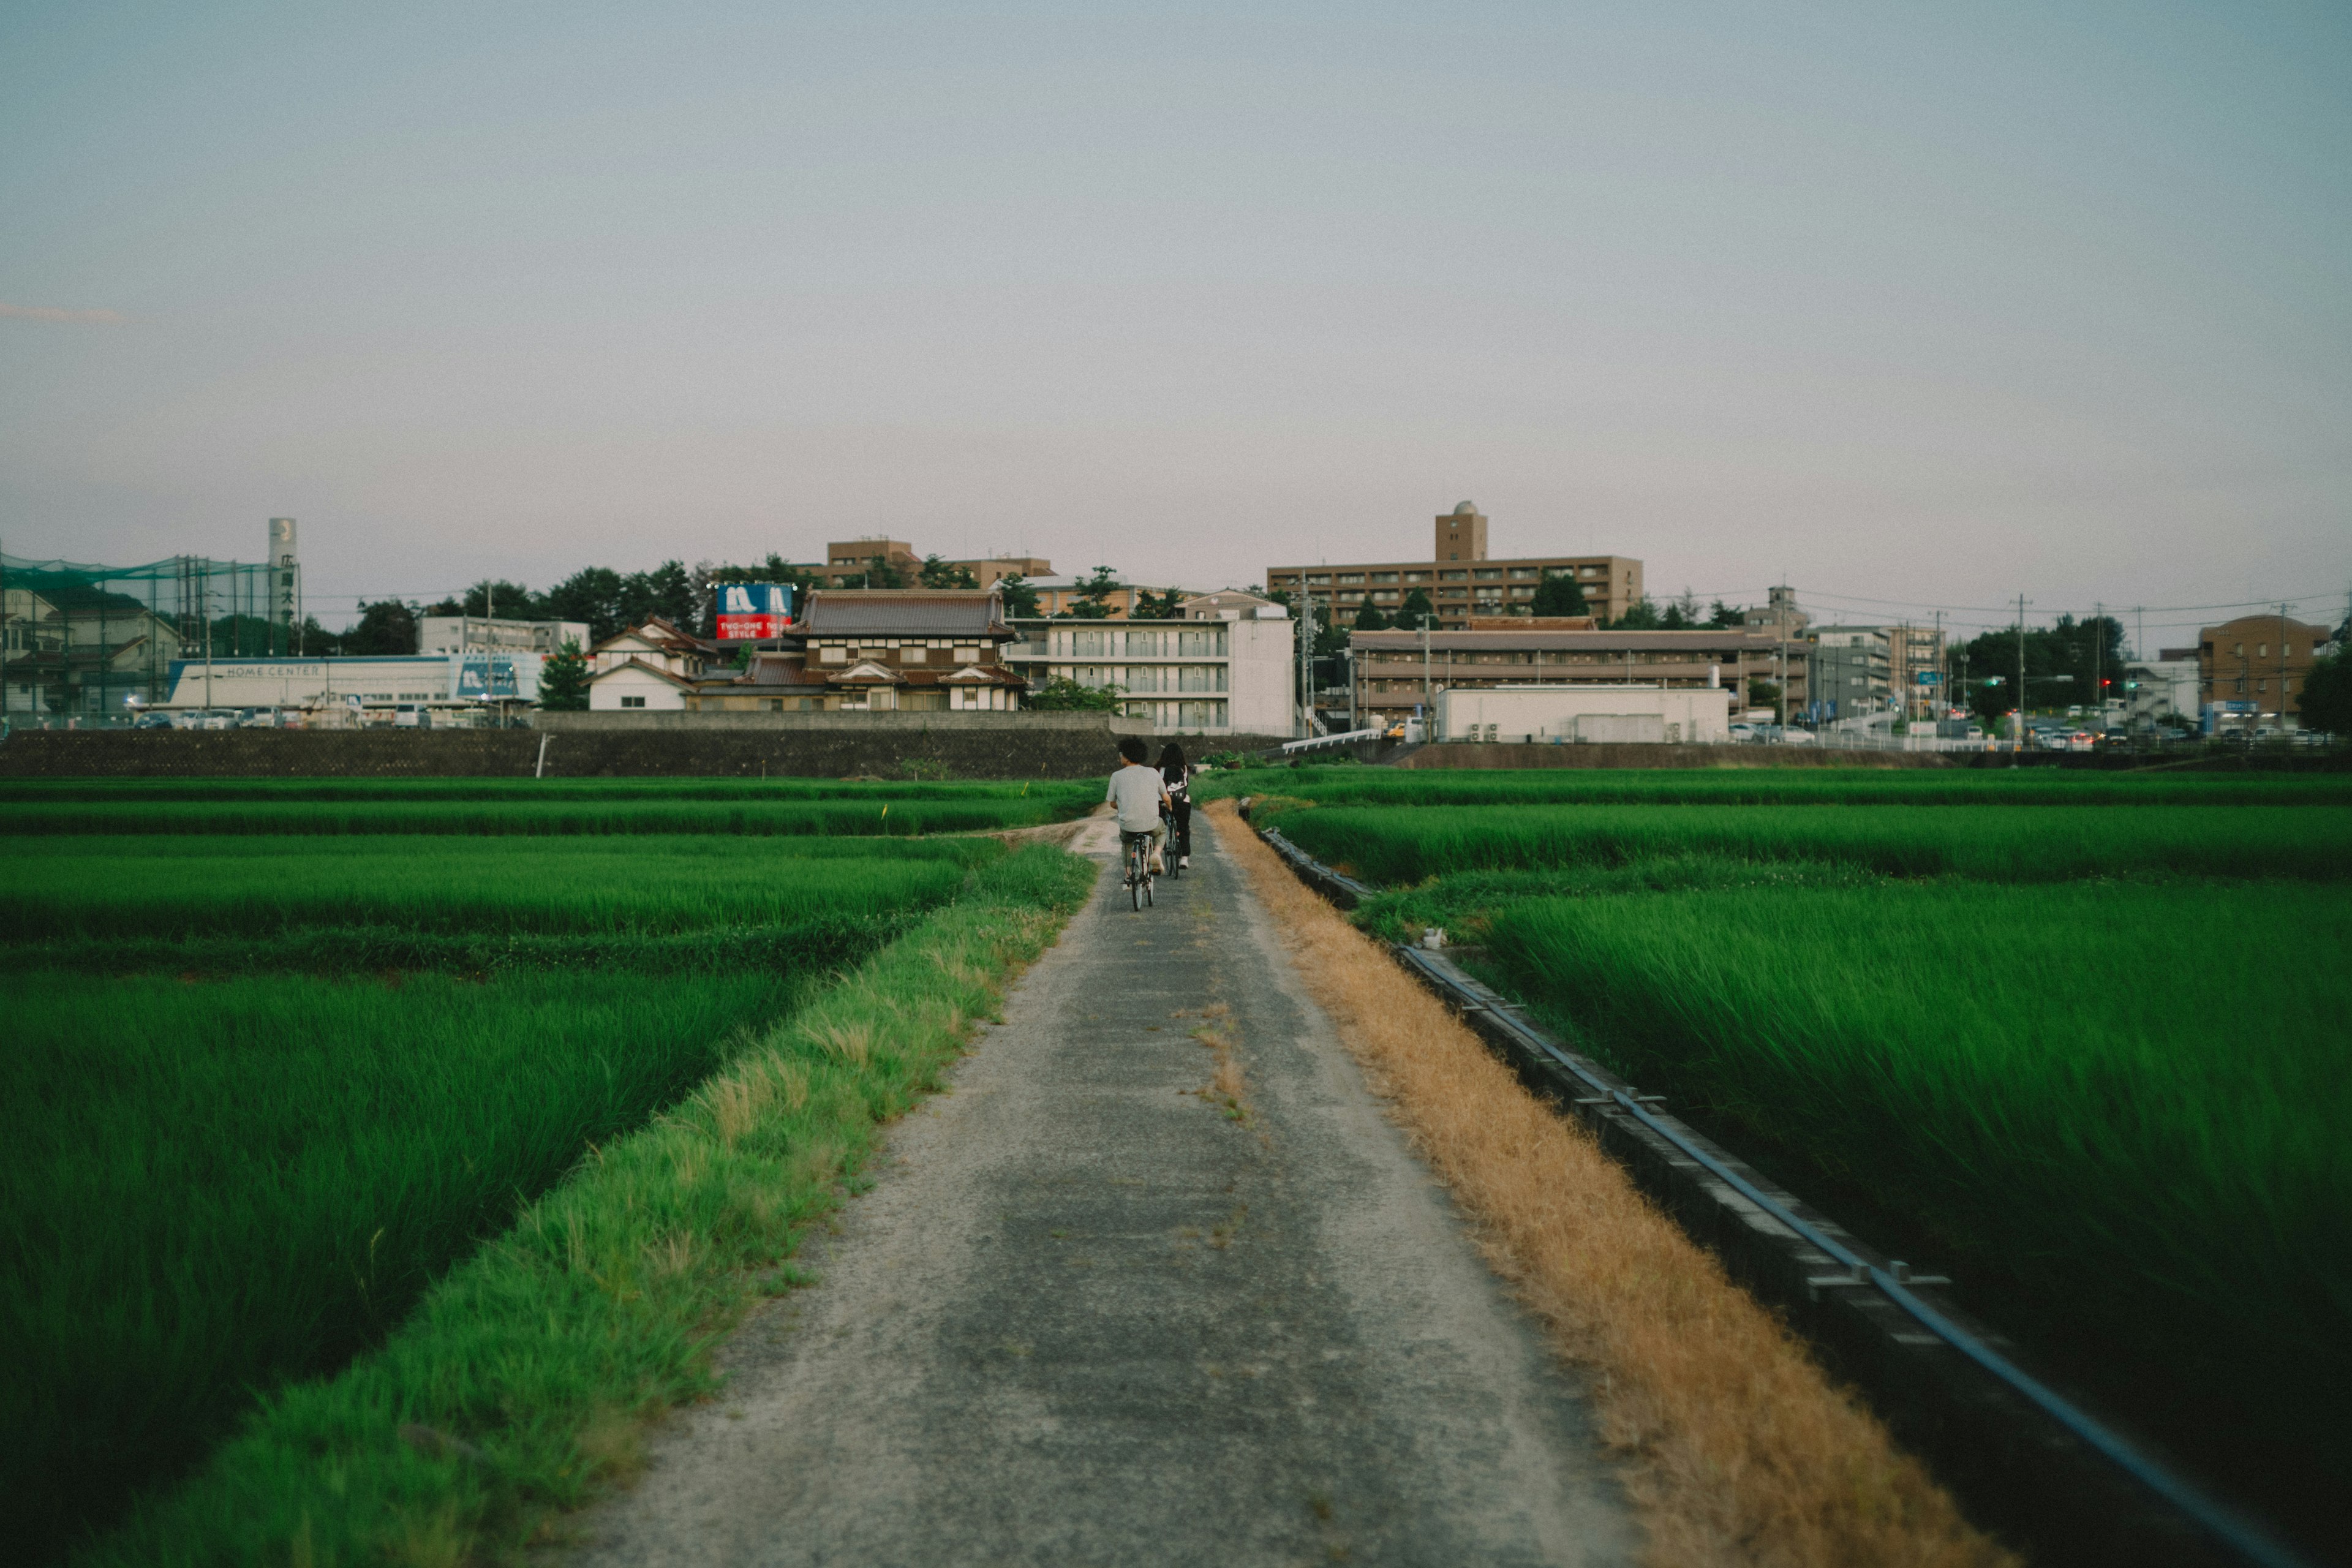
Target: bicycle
{"points": [[1175, 861], [1138, 847]]}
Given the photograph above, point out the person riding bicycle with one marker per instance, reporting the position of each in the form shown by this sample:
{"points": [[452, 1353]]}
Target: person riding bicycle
{"points": [[1139, 793], [1177, 778]]}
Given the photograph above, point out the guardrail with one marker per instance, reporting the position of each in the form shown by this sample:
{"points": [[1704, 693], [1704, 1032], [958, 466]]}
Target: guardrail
{"points": [[2025, 1457]]}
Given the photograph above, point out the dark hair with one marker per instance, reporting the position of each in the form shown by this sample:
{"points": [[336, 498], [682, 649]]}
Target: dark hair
{"points": [[1171, 761], [1132, 748]]}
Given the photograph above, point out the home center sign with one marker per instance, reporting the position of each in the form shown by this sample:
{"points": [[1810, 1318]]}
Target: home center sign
{"points": [[751, 611]]}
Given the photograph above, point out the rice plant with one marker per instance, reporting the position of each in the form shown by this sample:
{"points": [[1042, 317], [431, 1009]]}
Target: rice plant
{"points": [[2018, 843], [2116, 1111]]}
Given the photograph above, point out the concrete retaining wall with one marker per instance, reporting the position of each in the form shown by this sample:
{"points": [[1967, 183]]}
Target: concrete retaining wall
{"points": [[1059, 750], [1603, 754]]}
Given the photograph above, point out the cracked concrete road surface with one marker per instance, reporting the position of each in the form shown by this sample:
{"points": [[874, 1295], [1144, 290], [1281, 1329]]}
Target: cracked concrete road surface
{"points": [[1097, 1310]]}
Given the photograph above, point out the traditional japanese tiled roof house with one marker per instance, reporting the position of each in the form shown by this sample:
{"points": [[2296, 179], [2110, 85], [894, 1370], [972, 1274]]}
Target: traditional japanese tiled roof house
{"points": [[938, 650], [879, 651]]}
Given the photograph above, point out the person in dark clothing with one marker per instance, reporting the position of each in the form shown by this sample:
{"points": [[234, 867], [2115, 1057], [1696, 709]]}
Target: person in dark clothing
{"points": [[1177, 775]]}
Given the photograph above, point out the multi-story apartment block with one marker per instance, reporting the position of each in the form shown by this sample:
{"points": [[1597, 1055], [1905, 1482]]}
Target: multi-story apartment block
{"points": [[1222, 677], [1459, 579], [1849, 672]]}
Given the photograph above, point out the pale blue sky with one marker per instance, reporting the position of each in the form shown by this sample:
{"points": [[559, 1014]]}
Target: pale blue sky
{"points": [[1933, 306]]}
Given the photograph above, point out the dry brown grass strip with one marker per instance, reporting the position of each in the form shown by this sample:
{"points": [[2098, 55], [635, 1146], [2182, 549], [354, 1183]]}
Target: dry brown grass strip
{"points": [[1742, 1450]]}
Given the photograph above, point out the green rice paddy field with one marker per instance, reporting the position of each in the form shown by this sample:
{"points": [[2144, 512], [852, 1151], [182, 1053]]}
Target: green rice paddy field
{"points": [[265, 1086], [2093, 1059]]}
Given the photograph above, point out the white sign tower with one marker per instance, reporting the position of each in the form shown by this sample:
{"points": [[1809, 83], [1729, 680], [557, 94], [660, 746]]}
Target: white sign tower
{"points": [[285, 581]]}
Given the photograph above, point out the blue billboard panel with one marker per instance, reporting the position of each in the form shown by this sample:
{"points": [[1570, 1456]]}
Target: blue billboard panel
{"points": [[749, 611], [486, 675]]}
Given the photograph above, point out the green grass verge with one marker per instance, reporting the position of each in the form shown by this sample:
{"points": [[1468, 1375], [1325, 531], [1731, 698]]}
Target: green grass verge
{"points": [[518, 1385], [2020, 843], [2141, 1168], [1772, 786]]}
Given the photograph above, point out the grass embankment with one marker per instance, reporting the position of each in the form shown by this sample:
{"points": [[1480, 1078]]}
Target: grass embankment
{"points": [[1769, 786], [2018, 843], [520, 1381], [1740, 1450], [2136, 1168]]}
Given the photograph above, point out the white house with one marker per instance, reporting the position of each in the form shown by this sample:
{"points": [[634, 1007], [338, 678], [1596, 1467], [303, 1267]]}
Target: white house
{"points": [[653, 667]]}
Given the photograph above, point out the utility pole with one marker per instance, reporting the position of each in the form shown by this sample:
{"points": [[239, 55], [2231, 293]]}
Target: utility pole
{"points": [[205, 618], [2282, 671], [1428, 695], [2099, 662], [2017, 734], [1306, 663]]}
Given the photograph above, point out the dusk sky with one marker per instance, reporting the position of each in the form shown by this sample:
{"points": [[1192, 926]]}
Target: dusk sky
{"points": [[1927, 306]]}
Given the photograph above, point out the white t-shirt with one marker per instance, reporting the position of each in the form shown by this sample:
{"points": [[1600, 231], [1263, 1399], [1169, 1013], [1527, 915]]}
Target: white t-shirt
{"points": [[1135, 790]]}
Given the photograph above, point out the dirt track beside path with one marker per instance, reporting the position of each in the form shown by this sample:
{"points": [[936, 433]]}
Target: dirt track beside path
{"points": [[1154, 1282]]}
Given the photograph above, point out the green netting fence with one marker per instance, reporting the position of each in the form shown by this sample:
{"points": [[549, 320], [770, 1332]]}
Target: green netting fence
{"points": [[94, 643]]}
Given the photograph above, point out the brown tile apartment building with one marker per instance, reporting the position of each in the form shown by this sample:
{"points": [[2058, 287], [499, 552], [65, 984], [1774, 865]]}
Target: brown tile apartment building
{"points": [[1460, 580], [2255, 665]]}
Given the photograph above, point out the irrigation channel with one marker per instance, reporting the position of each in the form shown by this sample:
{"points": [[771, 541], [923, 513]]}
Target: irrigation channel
{"points": [[2023, 1456]]}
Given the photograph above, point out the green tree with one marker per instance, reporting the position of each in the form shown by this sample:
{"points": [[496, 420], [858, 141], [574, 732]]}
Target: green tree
{"points": [[563, 681], [1160, 606], [1062, 695], [879, 574], [1721, 616], [1641, 616], [939, 573], [1095, 596], [1020, 598], [591, 595], [1763, 694], [1560, 594], [1675, 618], [1416, 612], [2325, 700], [2063, 662], [1369, 618], [385, 626], [508, 601]]}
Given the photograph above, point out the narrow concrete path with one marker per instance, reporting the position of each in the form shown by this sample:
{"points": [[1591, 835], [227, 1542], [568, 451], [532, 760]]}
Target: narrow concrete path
{"points": [[1092, 1312]]}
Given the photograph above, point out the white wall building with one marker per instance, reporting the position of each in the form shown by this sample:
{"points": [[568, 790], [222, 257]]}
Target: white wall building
{"points": [[453, 634], [1670, 715], [437, 680], [2161, 689], [1221, 677]]}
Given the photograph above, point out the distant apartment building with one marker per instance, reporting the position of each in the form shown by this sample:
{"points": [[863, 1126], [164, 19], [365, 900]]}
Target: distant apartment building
{"points": [[1230, 675], [1786, 627], [1849, 672], [2250, 670], [2162, 689], [1398, 674], [847, 564], [462, 634], [1459, 578]]}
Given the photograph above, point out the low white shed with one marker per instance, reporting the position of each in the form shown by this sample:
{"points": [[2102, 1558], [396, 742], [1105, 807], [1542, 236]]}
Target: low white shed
{"points": [[1590, 714]]}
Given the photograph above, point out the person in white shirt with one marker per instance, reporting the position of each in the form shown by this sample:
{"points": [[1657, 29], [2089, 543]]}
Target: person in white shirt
{"points": [[1139, 793]]}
